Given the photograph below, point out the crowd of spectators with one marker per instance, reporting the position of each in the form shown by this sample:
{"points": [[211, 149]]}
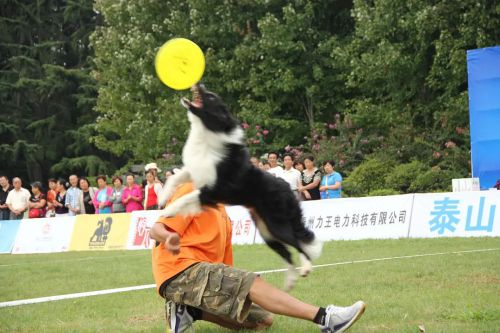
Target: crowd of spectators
{"points": [[76, 195], [306, 180]]}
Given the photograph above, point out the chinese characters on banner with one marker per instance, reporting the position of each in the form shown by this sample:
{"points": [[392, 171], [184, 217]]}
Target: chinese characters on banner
{"points": [[460, 214], [357, 218], [242, 224]]}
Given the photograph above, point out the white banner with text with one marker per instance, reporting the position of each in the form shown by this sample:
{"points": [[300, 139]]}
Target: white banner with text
{"points": [[358, 218], [243, 226], [456, 214], [44, 235]]}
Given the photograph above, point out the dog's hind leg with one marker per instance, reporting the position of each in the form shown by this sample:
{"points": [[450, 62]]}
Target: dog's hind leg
{"points": [[173, 181], [308, 252], [291, 273], [188, 204], [312, 249], [278, 247]]}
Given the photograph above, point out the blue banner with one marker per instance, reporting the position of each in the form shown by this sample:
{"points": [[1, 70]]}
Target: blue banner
{"points": [[483, 66], [8, 232]]}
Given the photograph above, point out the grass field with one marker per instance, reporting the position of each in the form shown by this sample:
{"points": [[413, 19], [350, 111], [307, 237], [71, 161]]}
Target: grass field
{"points": [[444, 293]]}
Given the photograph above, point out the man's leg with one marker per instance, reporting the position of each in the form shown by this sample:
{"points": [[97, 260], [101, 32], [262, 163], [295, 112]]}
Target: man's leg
{"points": [[180, 318], [330, 319], [226, 292], [279, 302], [234, 325]]}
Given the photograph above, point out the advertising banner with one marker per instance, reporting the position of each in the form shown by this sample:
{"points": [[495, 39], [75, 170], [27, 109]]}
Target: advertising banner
{"points": [[242, 224], [457, 214], [141, 222], [100, 232], [44, 235], [8, 231], [357, 218], [484, 105]]}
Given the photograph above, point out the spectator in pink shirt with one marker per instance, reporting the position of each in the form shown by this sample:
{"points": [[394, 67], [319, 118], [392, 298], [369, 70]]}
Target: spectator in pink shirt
{"points": [[132, 195]]}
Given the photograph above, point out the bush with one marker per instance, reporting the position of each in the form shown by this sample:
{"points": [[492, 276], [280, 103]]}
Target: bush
{"points": [[383, 192], [401, 178], [435, 180], [367, 177]]}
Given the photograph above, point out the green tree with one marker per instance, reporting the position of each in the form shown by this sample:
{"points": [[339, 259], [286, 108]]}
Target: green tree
{"points": [[46, 93], [408, 77], [292, 80], [267, 59], [396, 70]]}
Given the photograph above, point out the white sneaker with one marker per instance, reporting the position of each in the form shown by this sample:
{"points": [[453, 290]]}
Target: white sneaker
{"points": [[339, 319], [179, 319]]}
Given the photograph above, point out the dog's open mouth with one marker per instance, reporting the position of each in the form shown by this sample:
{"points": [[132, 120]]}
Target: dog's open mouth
{"points": [[197, 101]]}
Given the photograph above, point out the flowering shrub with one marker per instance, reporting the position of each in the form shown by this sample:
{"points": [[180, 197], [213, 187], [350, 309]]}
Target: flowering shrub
{"points": [[340, 141], [257, 138]]}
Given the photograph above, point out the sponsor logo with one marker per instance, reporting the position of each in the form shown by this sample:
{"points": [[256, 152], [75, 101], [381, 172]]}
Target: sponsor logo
{"points": [[101, 233], [141, 233], [46, 228]]}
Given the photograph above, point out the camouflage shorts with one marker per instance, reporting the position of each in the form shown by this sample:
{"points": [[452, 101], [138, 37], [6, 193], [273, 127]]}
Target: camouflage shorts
{"points": [[218, 289]]}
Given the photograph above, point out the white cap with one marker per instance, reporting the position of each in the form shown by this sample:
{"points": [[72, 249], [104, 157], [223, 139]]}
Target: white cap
{"points": [[152, 166]]}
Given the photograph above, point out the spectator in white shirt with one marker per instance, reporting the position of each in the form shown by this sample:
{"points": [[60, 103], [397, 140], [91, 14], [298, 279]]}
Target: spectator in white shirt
{"points": [[17, 200], [291, 175], [274, 168], [73, 199]]}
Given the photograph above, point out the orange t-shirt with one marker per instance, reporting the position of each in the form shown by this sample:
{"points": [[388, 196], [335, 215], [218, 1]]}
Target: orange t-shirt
{"points": [[205, 237]]}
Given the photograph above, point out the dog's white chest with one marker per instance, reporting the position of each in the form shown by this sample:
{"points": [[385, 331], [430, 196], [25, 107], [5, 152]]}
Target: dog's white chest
{"points": [[201, 161], [204, 150]]}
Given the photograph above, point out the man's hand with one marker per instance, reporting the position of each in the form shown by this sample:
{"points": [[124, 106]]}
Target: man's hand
{"points": [[173, 243]]}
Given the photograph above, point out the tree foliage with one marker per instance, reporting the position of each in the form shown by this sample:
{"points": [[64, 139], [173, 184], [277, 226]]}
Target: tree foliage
{"points": [[46, 93], [267, 59], [394, 72], [355, 81]]}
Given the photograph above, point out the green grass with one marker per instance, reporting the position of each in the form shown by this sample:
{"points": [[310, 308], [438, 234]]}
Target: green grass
{"points": [[446, 293]]}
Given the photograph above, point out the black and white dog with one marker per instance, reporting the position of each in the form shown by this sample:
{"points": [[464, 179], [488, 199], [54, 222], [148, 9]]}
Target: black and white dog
{"points": [[217, 162]]}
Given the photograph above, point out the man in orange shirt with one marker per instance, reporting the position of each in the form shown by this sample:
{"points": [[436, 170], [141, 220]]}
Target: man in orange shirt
{"points": [[192, 267]]}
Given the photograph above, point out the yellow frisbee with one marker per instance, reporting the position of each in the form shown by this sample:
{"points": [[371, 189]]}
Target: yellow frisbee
{"points": [[180, 63]]}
